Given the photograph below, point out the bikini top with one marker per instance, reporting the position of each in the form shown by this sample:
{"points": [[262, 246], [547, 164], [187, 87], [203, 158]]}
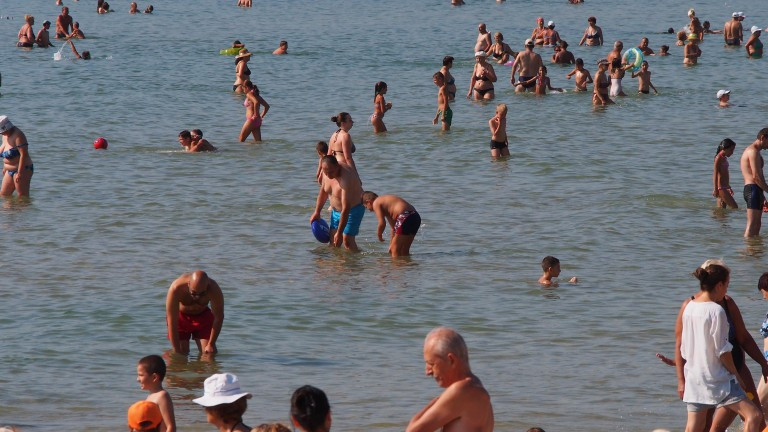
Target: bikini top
{"points": [[246, 71], [12, 152], [335, 152], [452, 81]]}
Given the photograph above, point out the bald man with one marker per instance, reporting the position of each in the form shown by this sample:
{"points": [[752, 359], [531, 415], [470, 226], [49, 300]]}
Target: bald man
{"points": [[464, 405], [188, 315]]}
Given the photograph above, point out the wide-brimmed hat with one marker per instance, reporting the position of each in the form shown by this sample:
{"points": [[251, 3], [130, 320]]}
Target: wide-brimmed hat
{"points": [[221, 389], [244, 53], [755, 29], [5, 124], [144, 415]]}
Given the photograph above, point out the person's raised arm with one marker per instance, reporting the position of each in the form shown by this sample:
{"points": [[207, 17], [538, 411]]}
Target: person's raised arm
{"points": [[74, 50], [217, 307], [172, 316]]}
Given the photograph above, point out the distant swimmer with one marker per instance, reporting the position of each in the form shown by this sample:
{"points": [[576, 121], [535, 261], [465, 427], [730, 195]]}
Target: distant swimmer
{"points": [[754, 46], [86, 54], [103, 8], [692, 51], [498, 125], [380, 106], [664, 51], [601, 85], [721, 177], [17, 164], [457, 2], [483, 38], [149, 9], [403, 219], [500, 51], [754, 182], [242, 73], [134, 8], [537, 35], [528, 63], [76, 32], [188, 314], [340, 145], [444, 112], [450, 81], [63, 24], [542, 82], [244, 3], [723, 96], [615, 52], [593, 35], [200, 144], [732, 31], [551, 267], [483, 77], [562, 55], [583, 77], [644, 47], [465, 404], [254, 115], [282, 48], [342, 185], [644, 83], [26, 33], [708, 29], [43, 39]]}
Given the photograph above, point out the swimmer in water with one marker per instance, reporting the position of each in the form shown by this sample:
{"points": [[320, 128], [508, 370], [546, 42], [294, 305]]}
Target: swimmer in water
{"points": [[551, 267], [692, 50], [134, 8], [340, 145], [664, 51], [721, 178], [282, 49], [562, 55], [483, 77], [86, 54], [601, 84], [200, 144], [26, 33], [583, 77], [498, 125], [541, 81], [723, 97], [253, 117], [551, 36], [149, 9], [380, 106], [644, 79], [708, 30], [500, 51], [244, 3], [593, 35], [450, 82], [17, 164], [444, 112], [242, 73], [43, 39], [754, 46], [76, 32]]}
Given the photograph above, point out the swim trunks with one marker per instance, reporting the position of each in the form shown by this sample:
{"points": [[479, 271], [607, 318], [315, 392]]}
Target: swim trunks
{"points": [[529, 85], [197, 326], [644, 91], [753, 195], [446, 116], [408, 223], [29, 167], [24, 45], [498, 144], [353, 221], [61, 35], [733, 42]]}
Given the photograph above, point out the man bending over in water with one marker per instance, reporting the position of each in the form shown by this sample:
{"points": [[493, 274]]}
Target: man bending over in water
{"points": [[464, 405], [188, 315], [403, 219]]}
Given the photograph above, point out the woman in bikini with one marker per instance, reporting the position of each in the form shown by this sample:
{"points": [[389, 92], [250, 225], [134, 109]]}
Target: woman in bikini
{"points": [[721, 178], [450, 81], [340, 145], [692, 51], [483, 77], [500, 51], [253, 117], [601, 85], [17, 165], [242, 73], [593, 35], [379, 107], [26, 34]]}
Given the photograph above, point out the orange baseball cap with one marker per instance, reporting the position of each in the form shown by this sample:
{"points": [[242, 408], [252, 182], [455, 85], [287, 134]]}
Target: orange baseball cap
{"points": [[144, 415]]}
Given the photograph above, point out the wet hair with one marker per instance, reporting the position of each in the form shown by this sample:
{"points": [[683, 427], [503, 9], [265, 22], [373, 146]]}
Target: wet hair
{"points": [[447, 60], [563, 43], [185, 134], [706, 24], [310, 408], [644, 63], [329, 160], [615, 63], [197, 132], [340, 118], [271, 427], [448, 341], [229, 412], [322, 147], [592, 19], [499, 35], [670, 30], [377, 88], [153, 364], [763, 133], [369, 196], [86, 55], [544, 68], [548, 262], [711, 273], [664, 48], [535, 429], [501, 106], [725, 144], [681, 35], [579, 62], [762, 283], [439, 75], [284, 43], [149, 9]]}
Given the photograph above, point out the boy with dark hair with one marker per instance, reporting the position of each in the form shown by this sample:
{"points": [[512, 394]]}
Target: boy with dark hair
{"points": [[150, 372], [551, 267]]}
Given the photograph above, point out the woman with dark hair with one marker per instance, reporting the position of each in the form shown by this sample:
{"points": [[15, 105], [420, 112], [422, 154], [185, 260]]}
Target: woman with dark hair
{"points": [[340, 145], [721, 178], [593, 35], [310, 411], [224, 402], [450, 81], [379, 107], [253, 117]]}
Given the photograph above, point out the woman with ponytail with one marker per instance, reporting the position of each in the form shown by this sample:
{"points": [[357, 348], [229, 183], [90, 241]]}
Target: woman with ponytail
{"points": [[340, 145], [379, 107], [310, 411], [721, 179]]}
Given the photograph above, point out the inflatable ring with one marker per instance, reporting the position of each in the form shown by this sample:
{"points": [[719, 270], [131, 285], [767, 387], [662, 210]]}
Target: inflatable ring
{"points": [[637, 58], [230, 51]]}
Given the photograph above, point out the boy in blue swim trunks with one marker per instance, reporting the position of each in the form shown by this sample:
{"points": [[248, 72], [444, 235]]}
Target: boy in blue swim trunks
{"points": [[342, 185]]}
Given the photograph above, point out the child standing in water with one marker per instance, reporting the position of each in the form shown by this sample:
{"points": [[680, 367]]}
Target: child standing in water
{"points": [[498, 125], [721, 178], [583, 77], [542, 82], [150, 373], [379, 107], [322, 150], [617, 74], [443, 109], [644, 79]]}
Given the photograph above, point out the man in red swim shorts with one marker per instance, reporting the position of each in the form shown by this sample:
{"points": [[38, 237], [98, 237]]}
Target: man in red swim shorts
{"points": [[188, 315]]}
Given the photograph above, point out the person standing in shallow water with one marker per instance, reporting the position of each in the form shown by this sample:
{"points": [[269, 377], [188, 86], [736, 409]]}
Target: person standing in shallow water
{"points": [[380, 106], [754, 182], [17, 164], [721, 177]]}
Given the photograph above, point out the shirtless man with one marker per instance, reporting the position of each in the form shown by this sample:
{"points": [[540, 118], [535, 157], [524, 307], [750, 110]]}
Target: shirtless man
{"points": [[732, 31], [342, 184], [644, 47], [616, 52], [187, 313], [403, 219], [63, 23], [483, 39], [43, 39], [754, 182], [464, 405], [529, 64], [444, 112], [562, 55], [583, 77]]}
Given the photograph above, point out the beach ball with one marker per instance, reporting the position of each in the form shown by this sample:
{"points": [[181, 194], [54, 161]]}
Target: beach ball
{"points": [[100, 144]]}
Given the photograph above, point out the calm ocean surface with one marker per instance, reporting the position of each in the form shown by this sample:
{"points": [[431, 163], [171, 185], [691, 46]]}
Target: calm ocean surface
{"points": [[621, 196]]}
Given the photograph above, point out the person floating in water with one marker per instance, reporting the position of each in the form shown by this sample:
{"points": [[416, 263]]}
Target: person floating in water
{"points": [[551, 267]]}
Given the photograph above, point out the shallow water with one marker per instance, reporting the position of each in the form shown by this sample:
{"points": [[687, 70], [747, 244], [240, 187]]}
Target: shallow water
{"points": [[620, 195]]}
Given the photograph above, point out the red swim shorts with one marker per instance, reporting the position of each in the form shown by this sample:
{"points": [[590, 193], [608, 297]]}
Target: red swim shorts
{"points": [[196, 326]]}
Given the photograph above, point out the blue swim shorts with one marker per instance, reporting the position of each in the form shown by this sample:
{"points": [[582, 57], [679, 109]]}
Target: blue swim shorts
{"points": [[353, 221]]}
